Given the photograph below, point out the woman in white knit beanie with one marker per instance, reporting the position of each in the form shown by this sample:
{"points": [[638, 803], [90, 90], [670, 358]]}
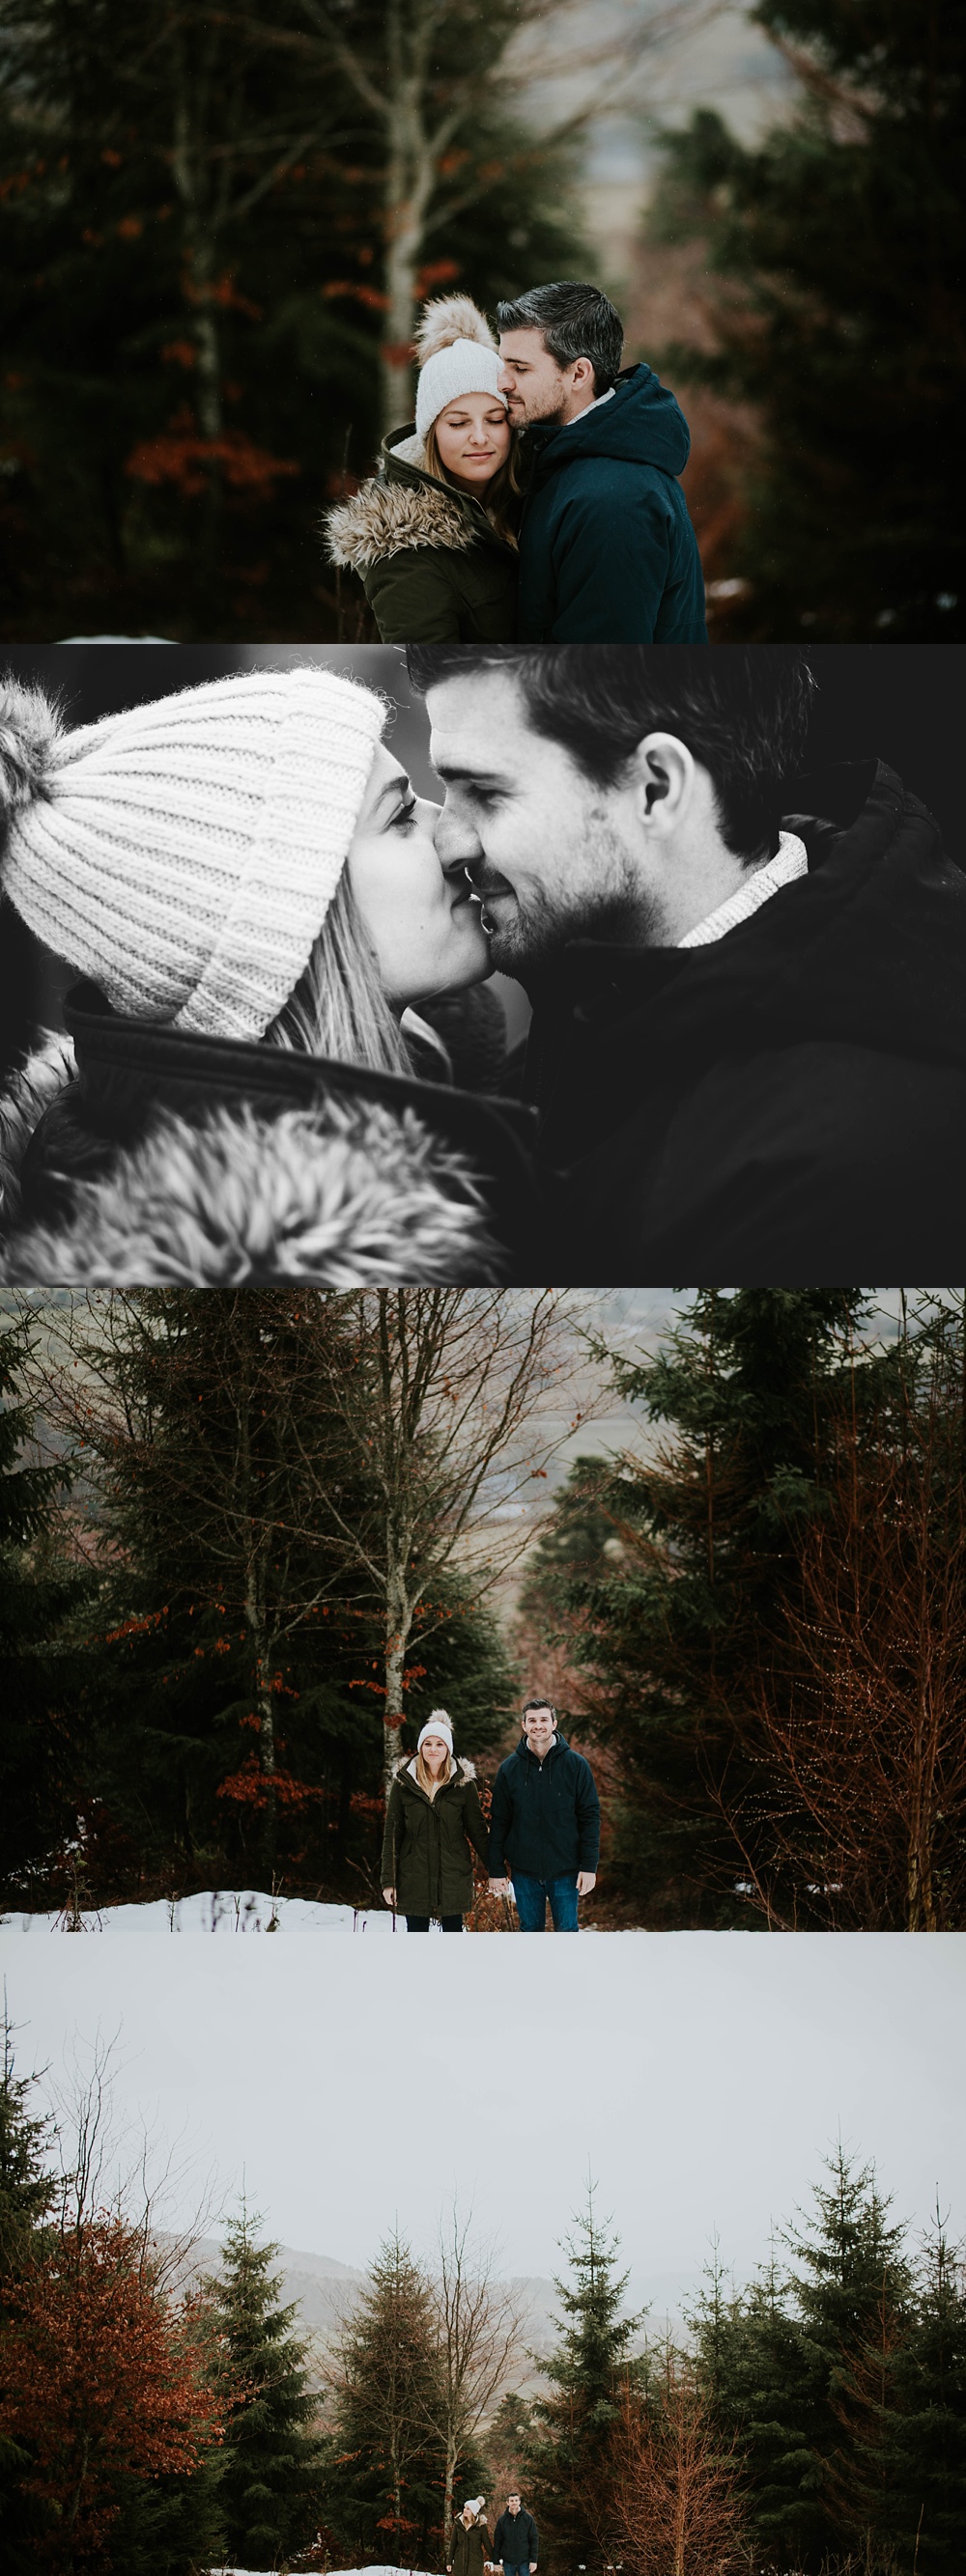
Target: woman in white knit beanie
{"points": [[433, 536], [241, 874]]}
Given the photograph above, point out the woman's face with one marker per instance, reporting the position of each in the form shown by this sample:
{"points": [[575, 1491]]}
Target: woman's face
{"points": [[435, 1750], [473, 437], [424, 927]]}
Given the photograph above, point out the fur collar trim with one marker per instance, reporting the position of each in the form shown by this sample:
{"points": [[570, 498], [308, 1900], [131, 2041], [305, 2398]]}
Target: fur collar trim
{"points": [[406, 1762], [347, 1194], [387, 518]]}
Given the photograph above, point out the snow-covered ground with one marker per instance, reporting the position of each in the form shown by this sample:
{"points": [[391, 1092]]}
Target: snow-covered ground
{"points": [[231, 1910]]}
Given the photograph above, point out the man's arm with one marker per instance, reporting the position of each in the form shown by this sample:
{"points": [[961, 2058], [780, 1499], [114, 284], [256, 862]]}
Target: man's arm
{"points": [[611, 560]]}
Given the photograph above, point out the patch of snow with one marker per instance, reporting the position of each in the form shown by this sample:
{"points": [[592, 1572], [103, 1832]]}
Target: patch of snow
{"points": [[237, 1910]]}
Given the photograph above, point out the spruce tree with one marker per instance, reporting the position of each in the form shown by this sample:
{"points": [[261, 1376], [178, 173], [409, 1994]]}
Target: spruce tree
{"points": [[385, 2469], [840, 236], [567, 2454], [38, 1682], [921, 2442], [269, 2483]]}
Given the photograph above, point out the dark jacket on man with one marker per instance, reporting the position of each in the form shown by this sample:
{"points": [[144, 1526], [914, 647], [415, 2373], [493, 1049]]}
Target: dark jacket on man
{"points": [[515, 2539], [433, 566], [426, 1843], [470, 2549], [787, 1102], [608, 554], [545, 1817]]}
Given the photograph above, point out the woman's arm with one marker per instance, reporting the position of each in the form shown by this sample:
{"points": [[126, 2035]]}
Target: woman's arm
{"points": [[413, 598]]}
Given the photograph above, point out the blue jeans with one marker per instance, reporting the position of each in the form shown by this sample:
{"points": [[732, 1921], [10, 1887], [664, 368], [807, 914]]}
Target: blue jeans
{"points": [[531, 1901]]}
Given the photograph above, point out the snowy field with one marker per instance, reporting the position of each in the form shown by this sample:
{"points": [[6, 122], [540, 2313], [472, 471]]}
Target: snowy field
{"points": [[701, 2076]]}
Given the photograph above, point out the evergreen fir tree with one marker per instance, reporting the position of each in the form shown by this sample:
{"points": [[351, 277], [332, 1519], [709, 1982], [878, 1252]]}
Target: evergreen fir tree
{"points": [[37, 1681], [840, 235], [676, 1621], [384, 2467], [921, 2441], [269, 2481], [567, 2453], [27, 2198]]}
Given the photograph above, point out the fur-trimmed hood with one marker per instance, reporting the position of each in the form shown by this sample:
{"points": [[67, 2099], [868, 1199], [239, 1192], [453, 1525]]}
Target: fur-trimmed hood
{"points": [[395, 512], [136, 1153], [403, 508], [406, 1762], [345, 1193]]}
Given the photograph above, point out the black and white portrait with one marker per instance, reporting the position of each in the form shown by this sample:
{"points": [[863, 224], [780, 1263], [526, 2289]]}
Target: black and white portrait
{"points": [[480, 962]]}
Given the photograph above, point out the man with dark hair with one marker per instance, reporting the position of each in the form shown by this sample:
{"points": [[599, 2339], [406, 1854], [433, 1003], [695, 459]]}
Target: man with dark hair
{"points": [[607, 550], [748, 1046], [544, 1824]]}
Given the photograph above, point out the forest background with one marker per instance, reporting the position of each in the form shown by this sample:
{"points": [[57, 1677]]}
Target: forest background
{"points": [[218, 227], [159, 2414], [251, 1539]]}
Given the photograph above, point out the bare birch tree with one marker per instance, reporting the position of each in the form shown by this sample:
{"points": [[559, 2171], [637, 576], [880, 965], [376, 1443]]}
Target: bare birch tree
{"points": [[429, 78], [478, 2323], [433, 1389]]}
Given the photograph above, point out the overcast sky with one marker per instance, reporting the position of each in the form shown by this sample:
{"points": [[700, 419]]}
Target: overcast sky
{"points": [[701, 2076]]}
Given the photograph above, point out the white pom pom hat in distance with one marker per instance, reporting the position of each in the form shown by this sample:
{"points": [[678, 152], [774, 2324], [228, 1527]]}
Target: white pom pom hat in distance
{"points": [[457, 355], [438, 1724], [185, 854]]}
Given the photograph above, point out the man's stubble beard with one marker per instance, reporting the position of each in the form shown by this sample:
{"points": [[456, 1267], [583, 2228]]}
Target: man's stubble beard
{"points": [[608, 908]]}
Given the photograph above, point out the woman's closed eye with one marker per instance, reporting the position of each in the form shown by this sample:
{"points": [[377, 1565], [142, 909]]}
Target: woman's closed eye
{"points": [[404, 817]]}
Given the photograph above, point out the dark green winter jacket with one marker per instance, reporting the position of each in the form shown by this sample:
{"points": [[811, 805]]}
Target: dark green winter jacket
{"points": [[426, 1844], [470, 2549], [433, 568], [608, 554]]}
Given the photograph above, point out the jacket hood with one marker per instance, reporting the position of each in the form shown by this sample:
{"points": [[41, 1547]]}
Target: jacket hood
{"points": [[868, 949], [642, 423], [344, 1194], [524, 1745], [405, 1763], [404, 507]]}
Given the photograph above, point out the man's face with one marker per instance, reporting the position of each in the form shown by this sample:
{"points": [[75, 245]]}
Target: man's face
{"points": [[513, 2504], [535, 387], [553, 856], [539, 1727]]}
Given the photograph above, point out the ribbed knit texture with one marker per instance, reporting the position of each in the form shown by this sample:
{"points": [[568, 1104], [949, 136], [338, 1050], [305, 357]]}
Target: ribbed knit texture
{"points": [[464, 368], [185, 854]]}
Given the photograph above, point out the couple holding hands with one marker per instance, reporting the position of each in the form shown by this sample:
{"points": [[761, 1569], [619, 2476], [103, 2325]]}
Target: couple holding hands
{"points": [[543, 1839], [535, 498], [513, 2546]]}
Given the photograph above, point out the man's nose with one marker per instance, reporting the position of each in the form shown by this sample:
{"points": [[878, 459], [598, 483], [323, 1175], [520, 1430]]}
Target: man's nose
{"points": [[506, 381], [456, 843]]}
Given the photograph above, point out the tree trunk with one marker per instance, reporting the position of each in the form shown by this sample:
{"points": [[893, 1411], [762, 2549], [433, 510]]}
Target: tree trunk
{"points": [[409, 187]]}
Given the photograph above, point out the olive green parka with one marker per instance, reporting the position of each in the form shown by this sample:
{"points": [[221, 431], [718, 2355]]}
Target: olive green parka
{"points": [[469, 2550], [433, 568], [426, 1844]]}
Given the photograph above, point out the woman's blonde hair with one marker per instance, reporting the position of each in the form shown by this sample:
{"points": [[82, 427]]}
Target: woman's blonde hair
{"points": [[501, 493], [338, 1008]]}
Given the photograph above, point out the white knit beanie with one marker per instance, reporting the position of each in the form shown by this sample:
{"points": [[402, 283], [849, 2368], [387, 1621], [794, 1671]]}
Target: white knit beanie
{"points": [[457, 355], [185, 854], [438, 1724]]}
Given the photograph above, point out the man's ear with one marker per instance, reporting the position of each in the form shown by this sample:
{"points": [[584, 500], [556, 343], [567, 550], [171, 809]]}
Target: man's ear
{"points": [[666, 779]]}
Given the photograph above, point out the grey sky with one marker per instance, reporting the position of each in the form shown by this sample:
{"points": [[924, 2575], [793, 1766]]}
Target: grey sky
{"points": [[701, 2076]]}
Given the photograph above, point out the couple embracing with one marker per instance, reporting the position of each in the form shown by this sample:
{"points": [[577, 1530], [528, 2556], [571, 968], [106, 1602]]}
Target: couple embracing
{"points": [[746, 1050], [512, 2548], [536, 496]]}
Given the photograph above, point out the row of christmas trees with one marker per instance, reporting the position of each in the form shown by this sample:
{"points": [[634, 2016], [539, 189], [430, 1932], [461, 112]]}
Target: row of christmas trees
{"points": [[814, 2421]]}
